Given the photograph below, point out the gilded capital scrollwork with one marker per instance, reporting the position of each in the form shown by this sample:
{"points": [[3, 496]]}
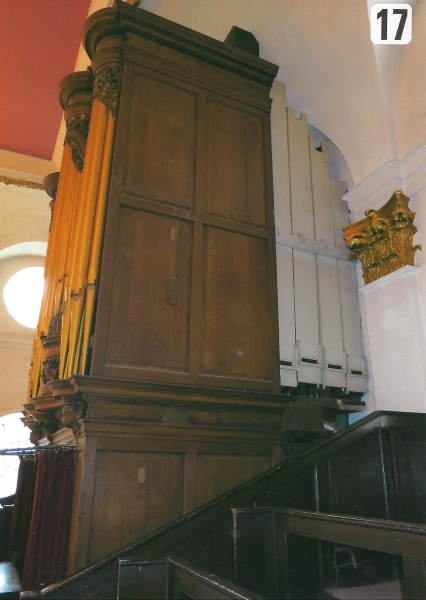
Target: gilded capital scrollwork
{"points": [[76, 138], [383, 241], [107, 85]]}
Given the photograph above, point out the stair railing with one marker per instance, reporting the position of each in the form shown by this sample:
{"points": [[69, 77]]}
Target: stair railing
{"points": [[260, 531]]}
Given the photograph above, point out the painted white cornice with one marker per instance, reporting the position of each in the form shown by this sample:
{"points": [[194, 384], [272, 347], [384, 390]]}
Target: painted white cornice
{"points": [[408, 175]]}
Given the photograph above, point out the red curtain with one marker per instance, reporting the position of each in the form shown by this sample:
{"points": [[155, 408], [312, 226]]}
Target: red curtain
{"points": [[22, 510], [45, 557]]}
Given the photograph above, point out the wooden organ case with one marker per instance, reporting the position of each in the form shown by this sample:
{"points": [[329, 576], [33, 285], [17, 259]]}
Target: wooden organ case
{"points": [[188, 284], [167, 373]]}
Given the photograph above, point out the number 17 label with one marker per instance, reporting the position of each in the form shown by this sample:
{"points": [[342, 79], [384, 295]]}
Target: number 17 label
{"points": [[391, 23]]}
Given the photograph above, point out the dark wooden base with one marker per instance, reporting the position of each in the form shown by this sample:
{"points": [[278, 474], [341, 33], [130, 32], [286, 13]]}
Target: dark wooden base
{"points": [[150, 453]]}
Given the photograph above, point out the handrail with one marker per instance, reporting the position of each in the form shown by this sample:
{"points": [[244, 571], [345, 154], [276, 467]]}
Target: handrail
{"points": [[407, 540], [103, 573], [177, 577]]}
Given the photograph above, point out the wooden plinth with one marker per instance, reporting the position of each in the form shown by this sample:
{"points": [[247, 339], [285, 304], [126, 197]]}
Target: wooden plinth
{"points": [[150, 453]]}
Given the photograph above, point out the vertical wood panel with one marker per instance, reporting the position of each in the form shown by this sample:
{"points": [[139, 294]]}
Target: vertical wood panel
{"points": [[190, 490], [286, 315], [236, 332], [356, 378], [334, 367], [235, 184], [135, 493], [218, 474], [321, 194], [307, 321], [300, 180], [150, 300], [165, 115], [365, 461]]}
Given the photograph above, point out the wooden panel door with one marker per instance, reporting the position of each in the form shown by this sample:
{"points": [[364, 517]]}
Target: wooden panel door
{"points": [[235, 338], [150, 299], [129, 493], [188, 281]]}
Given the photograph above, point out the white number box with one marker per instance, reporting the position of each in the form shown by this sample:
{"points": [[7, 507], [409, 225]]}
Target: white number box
{"points": [[391, 23]]}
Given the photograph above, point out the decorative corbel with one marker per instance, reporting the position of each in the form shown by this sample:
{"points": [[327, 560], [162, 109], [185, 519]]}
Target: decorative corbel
{"points": [[383, 241], [76, 99], [107, 85], [76, 138], [50, 184]]}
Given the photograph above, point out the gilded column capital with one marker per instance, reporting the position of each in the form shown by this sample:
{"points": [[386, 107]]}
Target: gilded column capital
{"points": [[383, 241], [75, 95]]}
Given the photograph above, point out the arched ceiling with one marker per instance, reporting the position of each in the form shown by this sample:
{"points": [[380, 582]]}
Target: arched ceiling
{"points": [[368, 100]]}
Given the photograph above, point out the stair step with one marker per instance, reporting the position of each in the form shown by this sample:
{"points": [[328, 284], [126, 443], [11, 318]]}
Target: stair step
{"points": [[389, 590]]}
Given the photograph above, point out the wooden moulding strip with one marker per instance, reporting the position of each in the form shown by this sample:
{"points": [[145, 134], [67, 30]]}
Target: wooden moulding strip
{"points": [[97, 238], [88, 201]]}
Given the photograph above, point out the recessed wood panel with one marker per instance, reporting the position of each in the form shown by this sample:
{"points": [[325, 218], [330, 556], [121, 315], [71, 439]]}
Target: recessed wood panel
{"points": [[135, 493], [218, 474], [235, 306], [150, 299], [409, 451], [357, 479], [161, 142], [235, 184]]}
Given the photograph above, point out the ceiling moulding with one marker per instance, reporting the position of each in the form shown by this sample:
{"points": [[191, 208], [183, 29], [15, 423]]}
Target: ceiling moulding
{"points": [[408, 175], [20, 169], [370, 193], [22, 342], [21, 182]]}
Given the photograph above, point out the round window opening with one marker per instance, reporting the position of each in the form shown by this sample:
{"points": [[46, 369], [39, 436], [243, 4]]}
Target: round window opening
{"points": [[22, 295]]}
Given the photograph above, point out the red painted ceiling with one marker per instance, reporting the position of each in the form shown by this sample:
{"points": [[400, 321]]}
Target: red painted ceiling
{"points": [[39, 43]]}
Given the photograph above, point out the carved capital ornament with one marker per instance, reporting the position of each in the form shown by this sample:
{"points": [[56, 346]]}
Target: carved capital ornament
{"points": [[107, 85], [383, 241], [76, 100], [76, 138]]}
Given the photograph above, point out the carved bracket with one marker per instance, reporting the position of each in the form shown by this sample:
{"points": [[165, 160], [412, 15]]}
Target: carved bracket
{"points": [[76, 138], [383, 241], [107, 85], [76, 100]]}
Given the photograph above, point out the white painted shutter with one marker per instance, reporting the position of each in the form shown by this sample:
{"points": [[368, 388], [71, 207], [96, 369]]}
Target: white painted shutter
{"points": [[320, 332]]}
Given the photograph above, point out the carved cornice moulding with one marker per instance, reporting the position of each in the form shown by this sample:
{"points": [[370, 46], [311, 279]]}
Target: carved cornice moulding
{"points": [[123, 21], [24, 171], [21, 183], [408, 174], [409, 271]]}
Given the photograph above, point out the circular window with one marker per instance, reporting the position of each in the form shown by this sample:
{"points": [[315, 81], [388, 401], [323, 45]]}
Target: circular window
{"points": [[22, 295]]}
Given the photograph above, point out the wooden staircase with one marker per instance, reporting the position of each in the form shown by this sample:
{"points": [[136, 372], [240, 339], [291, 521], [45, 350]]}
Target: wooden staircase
{"points": [[364, 488]]}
